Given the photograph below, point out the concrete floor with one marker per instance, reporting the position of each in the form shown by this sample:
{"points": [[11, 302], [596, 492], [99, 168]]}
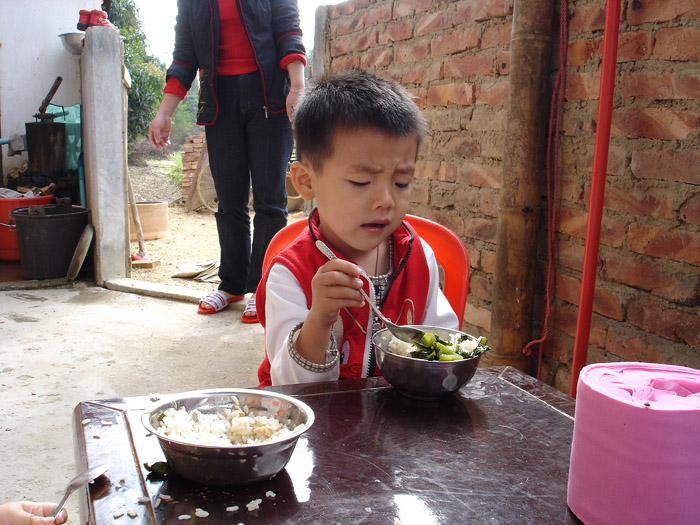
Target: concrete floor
{"points": [[60, 346]]}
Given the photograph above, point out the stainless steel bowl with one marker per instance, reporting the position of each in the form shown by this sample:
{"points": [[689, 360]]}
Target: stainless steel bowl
{"points": [[73, 42], [231, 465], [419, 378]]}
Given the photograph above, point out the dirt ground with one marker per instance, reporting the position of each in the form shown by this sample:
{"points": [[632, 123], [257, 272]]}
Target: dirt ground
{"points": [[192, 237]]}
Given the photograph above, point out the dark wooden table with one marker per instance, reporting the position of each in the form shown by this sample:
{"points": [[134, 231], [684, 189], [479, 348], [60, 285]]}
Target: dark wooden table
{"points": [[495, 452]]}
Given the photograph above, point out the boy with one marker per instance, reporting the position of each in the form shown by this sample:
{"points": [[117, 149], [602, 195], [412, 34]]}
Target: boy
{"points": [[357, 138]]}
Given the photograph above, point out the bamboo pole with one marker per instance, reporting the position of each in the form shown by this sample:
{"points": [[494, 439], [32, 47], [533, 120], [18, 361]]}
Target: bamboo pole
{"points": [[520, 194]]}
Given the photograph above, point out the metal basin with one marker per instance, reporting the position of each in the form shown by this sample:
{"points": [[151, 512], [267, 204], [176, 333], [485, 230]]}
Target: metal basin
{"points": [[419, 378], [229, 465]]}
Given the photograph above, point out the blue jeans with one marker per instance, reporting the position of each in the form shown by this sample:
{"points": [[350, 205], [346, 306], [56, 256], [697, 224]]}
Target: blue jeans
{"points": [[247, 145]]}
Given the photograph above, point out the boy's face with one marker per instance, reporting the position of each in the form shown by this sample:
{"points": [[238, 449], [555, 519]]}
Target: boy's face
{"points": [[364, 189]]}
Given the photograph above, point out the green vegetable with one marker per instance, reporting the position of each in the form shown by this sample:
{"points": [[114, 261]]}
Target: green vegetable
{"points": [[433, 348], [160, 416], [159, 468]]}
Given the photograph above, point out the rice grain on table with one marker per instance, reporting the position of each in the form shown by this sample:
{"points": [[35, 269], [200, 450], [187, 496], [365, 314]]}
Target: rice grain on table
{"points": [[232, 427]]}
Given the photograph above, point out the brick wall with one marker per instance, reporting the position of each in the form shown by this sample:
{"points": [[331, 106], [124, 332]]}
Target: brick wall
{"points": [[454, 57], [192, 151]]}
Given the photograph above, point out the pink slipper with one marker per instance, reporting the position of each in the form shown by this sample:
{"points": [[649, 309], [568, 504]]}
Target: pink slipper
{"points": [[250, 307], [218, 301]]}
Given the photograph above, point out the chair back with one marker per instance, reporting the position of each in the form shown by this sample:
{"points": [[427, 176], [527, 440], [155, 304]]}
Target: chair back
{"points": [[448, 247]]}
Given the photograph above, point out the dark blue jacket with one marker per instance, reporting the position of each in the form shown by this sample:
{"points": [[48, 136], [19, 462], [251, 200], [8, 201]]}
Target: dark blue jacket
{"points": [[273, 30]]}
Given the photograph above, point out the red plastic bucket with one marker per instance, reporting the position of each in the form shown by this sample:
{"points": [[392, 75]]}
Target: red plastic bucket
{"points": [[9, 247]]}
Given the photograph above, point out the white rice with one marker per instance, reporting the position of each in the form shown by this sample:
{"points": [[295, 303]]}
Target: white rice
{"points": [[232, 427], [397, 346]]}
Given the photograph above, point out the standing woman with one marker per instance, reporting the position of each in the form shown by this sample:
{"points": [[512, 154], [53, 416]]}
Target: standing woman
{"points": [[250, 60]]}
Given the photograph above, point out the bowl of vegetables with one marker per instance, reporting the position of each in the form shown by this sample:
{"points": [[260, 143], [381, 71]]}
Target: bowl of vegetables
{"points": [[438, 364]]}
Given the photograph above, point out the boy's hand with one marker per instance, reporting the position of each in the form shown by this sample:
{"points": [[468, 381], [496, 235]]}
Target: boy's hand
{"points": [[336, 285]]}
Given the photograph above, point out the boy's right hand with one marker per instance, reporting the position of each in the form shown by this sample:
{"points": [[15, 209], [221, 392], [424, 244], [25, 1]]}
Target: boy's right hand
{"points": [[336, 285]]}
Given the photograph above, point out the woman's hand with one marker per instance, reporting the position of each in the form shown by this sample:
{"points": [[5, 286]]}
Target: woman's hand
{"points": [[159, 131], [293, 99], [30, 513]]}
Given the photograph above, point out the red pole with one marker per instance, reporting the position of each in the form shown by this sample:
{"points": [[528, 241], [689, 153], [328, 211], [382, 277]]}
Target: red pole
{"points": [[595, 207]]}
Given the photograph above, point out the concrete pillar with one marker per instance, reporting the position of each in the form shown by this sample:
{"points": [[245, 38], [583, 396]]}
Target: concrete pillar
{"points": [[104, 151]]}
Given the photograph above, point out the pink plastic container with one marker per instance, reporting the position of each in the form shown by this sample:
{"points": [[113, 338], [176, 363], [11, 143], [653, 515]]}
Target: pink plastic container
{"points": [[9, 248]]}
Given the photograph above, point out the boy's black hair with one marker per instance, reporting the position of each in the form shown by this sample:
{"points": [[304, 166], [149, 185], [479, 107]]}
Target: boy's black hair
{"points": [[352, 100]]}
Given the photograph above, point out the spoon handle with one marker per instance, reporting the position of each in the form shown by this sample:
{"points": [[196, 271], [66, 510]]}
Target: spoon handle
{"points": [[69, 491]]}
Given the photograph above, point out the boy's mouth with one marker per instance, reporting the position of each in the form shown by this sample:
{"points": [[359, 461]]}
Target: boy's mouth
{"points": [[376, 225]]}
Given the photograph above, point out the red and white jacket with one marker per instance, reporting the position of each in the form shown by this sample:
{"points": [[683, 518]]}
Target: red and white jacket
{"points": [[283, 299]]}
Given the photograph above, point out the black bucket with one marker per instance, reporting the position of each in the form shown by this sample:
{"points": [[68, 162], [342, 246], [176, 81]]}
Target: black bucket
{"points": [[47, 236]]}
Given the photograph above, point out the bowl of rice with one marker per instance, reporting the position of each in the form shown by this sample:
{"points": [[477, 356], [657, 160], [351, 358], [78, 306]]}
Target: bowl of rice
{"points": [[228, 437], [420, 378]]}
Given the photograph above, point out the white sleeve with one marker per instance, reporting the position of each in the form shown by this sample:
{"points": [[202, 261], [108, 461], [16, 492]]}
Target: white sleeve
{"points": [[285, 307], [438, 311]]}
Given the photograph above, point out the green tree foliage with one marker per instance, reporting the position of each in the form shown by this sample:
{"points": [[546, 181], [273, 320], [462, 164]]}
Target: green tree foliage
{"points": [[146, 71]]}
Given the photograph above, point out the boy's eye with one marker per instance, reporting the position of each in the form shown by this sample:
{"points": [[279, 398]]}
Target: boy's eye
{"points": [[358, 183], [402, 185]]}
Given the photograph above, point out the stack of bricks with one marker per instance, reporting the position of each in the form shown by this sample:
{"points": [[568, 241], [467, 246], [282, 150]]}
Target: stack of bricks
{"points": [[193, 150]]}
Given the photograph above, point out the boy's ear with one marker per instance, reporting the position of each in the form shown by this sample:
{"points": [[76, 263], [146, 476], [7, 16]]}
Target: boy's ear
{"points": [[300, 174]]}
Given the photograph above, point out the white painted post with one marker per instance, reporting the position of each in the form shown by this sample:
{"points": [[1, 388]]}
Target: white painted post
{"points": [[104, 151]]}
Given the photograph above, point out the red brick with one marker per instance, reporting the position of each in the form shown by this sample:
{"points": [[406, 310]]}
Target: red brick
{"points": [[447, 94], [482, 10], [565, 318], [558, 347], [670, 324], [423, 73], [481, 287], [488, 261], [454, 42], [412, 51], [575, 221], [479, 175], [419, 96], [482, 229], [478, 316], [469, 66], [678, 43], [634, 45], [651, 123], [426, 169], [447, 172], [498, 35], [667, 85], [396, 31], [404, 8], [488, 202], [378, 15], [605, 303], [450, 220], [676, 244], [340, 46], [635, 346], [636, 272], [347, 25], [433, 22], [690, 211], [586, 18], [493, 93], [662, 11], [584, 51], [365, 40], [421, 192], [570, 255], [672, 165], [345, 63], [652, 202], [582, 86], [503, 63], [456, 146], [377, 57]]}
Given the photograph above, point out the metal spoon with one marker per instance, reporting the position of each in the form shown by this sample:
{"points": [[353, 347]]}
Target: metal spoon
{"points": [[77, 482], [405, 333]]}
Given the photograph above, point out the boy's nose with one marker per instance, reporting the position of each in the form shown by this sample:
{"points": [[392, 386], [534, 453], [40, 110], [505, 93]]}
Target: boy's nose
{"points": [[384, 197]]}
